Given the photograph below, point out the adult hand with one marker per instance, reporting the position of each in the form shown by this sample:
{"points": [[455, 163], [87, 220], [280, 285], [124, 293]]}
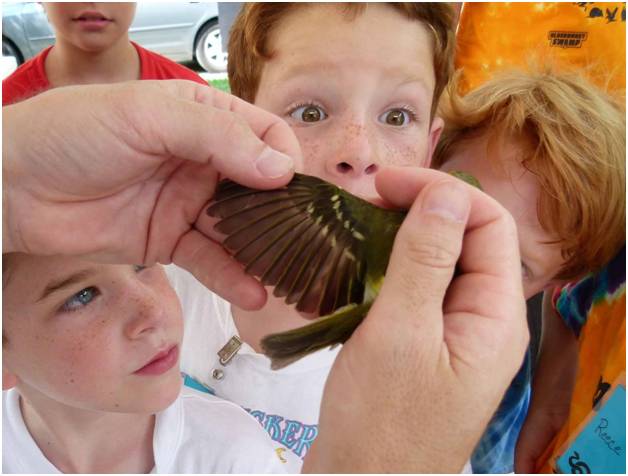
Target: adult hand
{"points": [[414, 387], [120, 173]]}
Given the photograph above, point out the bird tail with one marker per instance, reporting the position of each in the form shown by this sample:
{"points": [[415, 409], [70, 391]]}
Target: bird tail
{"points": [[286, 347]]}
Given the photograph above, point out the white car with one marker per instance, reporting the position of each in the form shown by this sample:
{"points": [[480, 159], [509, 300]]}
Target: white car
{"points": [[181, 31]]}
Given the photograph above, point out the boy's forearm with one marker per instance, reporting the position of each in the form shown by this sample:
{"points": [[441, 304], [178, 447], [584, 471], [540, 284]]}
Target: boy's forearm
{"points": [[558, 359], [552, 388]]}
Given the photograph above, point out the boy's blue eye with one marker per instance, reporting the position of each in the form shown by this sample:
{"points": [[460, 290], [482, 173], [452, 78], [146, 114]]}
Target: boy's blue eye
{"points": [[397, 117], [80, 299], [308, 113]]}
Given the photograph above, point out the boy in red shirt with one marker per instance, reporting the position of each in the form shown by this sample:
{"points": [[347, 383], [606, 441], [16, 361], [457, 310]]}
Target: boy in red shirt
{"points": [[92, 46]]}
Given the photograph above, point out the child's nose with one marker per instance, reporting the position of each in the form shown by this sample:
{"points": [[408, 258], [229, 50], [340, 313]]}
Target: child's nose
{"points": [[146, 316], [355, 156]]}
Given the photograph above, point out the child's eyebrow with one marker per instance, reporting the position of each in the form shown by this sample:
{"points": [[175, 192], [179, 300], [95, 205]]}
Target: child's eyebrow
{"points": [[59, 284]]}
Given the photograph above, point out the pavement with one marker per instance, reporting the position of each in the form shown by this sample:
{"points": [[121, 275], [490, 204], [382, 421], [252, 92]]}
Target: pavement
{"points": [[210, 76]]}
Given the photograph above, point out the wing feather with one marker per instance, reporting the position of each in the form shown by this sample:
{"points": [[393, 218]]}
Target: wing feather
{"points": [[301, 239]]}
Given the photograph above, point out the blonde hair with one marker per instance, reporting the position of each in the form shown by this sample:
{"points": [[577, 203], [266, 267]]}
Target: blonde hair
{"points": [[578, 153], [252, 28]]}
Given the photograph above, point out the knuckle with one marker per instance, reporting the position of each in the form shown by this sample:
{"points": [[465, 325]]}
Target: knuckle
{"points": [[232, 125], [434, 252]]}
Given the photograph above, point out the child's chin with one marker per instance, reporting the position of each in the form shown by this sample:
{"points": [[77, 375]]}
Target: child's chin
{"points": [[171, 390], [159, 397]]}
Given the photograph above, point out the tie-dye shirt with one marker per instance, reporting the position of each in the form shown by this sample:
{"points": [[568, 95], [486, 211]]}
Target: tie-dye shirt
{"points": [[595, 309], [495, 452], [575, 302], [601, 295]]}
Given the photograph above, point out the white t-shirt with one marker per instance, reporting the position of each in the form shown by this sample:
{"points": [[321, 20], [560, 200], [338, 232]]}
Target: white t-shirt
{"points": [[285, 402], [198, 433]]}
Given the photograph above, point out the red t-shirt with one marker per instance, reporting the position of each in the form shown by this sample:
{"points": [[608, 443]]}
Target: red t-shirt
{"points": [[30, 78]]}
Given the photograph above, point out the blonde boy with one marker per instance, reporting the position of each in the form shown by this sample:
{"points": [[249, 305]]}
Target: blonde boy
{"points": [[551, 149]]}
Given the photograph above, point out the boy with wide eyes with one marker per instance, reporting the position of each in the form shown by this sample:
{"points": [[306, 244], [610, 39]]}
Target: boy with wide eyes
{"points": [[90, 369], [359, 85]]}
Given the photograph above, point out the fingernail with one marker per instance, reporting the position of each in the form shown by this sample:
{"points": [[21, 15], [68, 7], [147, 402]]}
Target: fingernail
{"points": [[448, 200], [273, 164]]}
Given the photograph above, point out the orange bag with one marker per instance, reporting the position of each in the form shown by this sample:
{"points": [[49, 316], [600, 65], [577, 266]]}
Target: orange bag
{"points": [[587, 35]]}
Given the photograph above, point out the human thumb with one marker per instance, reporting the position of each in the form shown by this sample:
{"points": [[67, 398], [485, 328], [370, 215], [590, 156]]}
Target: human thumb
{"points": [[424, 256], [239, 153]]}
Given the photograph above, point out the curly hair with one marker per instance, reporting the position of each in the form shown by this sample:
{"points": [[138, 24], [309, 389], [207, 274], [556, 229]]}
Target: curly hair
{"points": [[252, 28]]}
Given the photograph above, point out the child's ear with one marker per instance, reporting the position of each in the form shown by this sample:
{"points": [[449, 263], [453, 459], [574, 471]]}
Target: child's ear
{"points": [[435, 131], [9, 379]]}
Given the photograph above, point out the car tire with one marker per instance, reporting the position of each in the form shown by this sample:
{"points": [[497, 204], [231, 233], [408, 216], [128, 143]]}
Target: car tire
{"points": [[208, 49], [9, 49]]}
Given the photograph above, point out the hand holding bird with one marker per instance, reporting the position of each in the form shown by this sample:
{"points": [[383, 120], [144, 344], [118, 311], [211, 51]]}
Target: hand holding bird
{"points": [[321, 248]]}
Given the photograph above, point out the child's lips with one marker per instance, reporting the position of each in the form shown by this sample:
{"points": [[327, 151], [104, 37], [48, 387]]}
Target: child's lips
{"points": [[92, 20], [161, 362]]}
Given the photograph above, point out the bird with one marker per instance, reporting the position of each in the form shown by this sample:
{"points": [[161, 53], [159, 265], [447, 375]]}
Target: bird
{"points": [[321, 248]]}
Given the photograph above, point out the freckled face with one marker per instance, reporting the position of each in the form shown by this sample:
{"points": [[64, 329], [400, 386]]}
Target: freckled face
{"points": [[501, 175], [81, 345], [356, 92]]}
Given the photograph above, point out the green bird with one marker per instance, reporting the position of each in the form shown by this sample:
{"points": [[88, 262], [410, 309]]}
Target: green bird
{"points": [[322, 249]]}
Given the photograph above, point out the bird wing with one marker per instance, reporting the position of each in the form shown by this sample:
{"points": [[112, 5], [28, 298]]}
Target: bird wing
{"points": [[302, 239]]}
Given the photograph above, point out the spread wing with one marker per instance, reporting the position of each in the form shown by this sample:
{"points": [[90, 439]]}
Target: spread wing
{"points": [[301, 239]]}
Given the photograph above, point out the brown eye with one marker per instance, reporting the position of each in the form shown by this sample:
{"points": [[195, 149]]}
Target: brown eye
{"points": [[309, 113], [396, 117]]}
